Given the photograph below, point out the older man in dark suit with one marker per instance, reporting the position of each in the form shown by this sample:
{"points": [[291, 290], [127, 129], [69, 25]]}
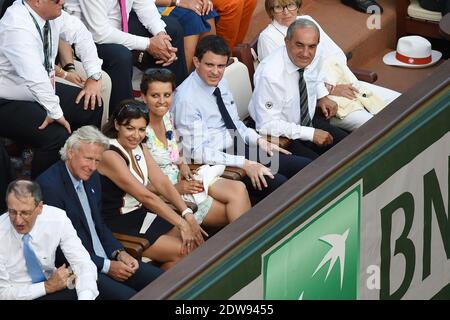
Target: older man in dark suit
{"points": [[74, 186]]}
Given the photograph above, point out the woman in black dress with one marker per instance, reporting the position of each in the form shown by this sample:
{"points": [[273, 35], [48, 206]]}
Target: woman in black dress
{"points": [[130, 180]]}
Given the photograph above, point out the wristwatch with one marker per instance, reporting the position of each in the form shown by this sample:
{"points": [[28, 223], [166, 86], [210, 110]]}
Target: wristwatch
{"points": [[116, 253], [96, 76]]}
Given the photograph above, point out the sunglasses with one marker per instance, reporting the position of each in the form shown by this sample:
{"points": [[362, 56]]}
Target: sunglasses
{"points": [[133, 108], [155, 71]]}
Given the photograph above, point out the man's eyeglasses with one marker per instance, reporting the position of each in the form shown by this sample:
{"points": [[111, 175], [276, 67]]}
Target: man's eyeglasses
{"points": [[23, 214], [132, 108], [291, 7]]}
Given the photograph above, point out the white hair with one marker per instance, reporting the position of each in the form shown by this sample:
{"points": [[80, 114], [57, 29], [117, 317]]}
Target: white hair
{"points": [[86, 134]]}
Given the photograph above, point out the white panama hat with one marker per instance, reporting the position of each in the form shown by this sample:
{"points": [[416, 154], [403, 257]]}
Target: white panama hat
{"points": [[412, 52]]}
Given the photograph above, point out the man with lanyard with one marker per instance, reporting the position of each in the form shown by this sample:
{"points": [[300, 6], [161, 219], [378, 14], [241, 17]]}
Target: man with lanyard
{"points": [[34, 109]]}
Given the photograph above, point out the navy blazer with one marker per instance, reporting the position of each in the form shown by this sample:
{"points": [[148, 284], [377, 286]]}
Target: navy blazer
{"points": [[58, 191]]}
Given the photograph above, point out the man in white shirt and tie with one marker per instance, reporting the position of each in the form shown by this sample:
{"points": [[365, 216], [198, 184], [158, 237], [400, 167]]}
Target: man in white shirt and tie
{"points": [[122, 28], [30, 233], [34, 109], [288, 89]]}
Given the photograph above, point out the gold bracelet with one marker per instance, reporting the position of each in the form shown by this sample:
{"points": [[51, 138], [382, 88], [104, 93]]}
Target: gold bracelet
{"points": [[61, 73]]}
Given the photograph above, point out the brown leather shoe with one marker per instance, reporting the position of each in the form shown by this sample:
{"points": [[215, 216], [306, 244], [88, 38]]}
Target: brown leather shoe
{"points": [[362, 5]]}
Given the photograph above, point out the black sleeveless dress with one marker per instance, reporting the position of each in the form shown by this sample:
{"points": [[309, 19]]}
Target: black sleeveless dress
{"points": [[124, 214]]}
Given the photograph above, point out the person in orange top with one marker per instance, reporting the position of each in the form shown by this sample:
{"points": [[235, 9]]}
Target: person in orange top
{"points": [[234, 19]]}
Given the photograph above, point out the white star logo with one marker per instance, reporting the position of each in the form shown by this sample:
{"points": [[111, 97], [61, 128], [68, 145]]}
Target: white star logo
{"points": [[337, 251]]}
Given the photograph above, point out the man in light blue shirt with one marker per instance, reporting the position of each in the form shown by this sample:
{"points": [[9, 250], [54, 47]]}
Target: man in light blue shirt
{"points": [[207, 120]]}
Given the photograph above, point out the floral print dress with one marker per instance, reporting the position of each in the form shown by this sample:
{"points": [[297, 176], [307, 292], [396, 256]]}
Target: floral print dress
{"points": [[168, 160]]}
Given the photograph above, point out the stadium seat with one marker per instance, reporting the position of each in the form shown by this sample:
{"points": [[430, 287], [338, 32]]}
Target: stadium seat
{"points": [[413, 19]]}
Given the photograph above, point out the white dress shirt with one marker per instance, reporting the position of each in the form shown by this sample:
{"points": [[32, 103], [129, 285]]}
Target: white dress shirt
{"points": [[22, 72], [275, 103], [103, 19], [198, 120], [52, 229], [272, 37]]}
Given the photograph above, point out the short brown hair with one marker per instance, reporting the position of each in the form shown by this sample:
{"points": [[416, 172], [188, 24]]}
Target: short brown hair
{"points": [[269, 4]]}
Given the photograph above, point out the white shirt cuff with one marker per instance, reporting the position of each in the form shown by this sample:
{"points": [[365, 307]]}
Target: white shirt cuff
{"points": [[106, 266], [306, 133], [322, 91], [56, 114], [253, 138], [237, 161], [142, 43], [37, 290]]}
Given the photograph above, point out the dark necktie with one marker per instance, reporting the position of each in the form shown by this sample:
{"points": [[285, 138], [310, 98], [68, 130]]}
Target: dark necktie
{"points": [[33, 266], [229, 124], [46, 40], [305, 119]]}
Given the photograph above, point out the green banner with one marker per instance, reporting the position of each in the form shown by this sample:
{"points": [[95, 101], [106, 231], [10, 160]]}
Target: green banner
{"points": [[320, 260]]}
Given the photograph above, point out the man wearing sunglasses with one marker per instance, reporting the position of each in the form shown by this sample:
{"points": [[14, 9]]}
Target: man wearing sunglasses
{"points": [[35, 110]]}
